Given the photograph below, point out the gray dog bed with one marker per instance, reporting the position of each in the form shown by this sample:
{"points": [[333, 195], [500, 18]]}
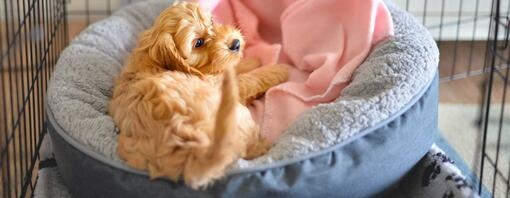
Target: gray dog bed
{"points": [[357, 146]]}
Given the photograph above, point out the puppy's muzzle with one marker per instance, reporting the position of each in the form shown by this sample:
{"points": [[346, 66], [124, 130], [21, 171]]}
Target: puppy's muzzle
{"points": [[235, 45]]}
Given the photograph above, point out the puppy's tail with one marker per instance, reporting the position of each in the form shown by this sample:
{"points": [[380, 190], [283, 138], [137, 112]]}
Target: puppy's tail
{"points": [[223, 150]]}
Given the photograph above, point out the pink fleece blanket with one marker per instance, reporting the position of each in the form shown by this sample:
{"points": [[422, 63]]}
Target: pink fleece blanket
{"points": [[325, 41]]}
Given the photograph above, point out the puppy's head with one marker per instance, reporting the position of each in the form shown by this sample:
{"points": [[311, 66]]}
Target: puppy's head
{"points": [[184, 38], [225, 49]]}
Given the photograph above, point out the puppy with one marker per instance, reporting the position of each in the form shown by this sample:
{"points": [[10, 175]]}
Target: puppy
{"points": [[179, 104]]}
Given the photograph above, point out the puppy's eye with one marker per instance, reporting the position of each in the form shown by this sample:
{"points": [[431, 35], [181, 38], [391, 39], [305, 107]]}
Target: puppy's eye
{"points": [[199, 42]]}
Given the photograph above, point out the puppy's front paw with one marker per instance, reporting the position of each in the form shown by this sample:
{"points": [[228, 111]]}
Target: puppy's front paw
{"points": [[248, 64], [255, 83], [281, 71]]}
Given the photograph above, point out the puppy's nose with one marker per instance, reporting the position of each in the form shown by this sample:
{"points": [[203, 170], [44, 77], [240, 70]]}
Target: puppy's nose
{"points": [[235, 45]]}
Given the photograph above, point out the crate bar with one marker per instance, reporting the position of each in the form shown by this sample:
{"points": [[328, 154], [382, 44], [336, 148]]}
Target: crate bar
{"points": [[87, 12], [66, 23], [457, 31], [424, 14], [21, 129], [5, 168], [108, 7], [9, 64], [28, 151], [494, 10], [471, 45], [16, 85], [33, 57], [441, 22], [29, 61], [500, 124]]}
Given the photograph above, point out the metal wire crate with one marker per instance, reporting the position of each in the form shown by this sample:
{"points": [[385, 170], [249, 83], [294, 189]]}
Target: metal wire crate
{"points": [[32, 35], [494, 170], [472, 36], [460, 28]]}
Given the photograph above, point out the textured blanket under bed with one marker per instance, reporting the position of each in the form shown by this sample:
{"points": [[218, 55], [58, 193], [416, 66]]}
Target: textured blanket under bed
{"points": [[391, 76], [448, 181]]}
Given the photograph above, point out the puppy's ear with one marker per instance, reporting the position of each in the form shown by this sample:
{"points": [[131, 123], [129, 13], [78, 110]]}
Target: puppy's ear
{"points": [[161, 48]]}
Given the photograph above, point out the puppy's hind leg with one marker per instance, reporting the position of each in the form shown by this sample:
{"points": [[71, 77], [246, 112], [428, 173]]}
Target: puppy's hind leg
{"points": [[153, 126]]}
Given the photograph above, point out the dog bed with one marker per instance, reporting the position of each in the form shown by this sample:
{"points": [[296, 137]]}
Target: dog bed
{"points": [[356, 146]]}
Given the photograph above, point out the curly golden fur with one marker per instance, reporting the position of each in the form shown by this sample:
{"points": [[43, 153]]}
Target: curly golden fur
{"points": [[179, 104]]}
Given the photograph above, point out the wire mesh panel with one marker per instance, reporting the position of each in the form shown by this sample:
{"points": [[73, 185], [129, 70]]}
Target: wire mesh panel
{"points": [[81, 13], [495, 156], [460, 28], [32, 35]]}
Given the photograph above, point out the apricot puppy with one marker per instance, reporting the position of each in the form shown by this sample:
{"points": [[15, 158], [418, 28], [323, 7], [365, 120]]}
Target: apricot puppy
{"points": [[178, 103]]}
